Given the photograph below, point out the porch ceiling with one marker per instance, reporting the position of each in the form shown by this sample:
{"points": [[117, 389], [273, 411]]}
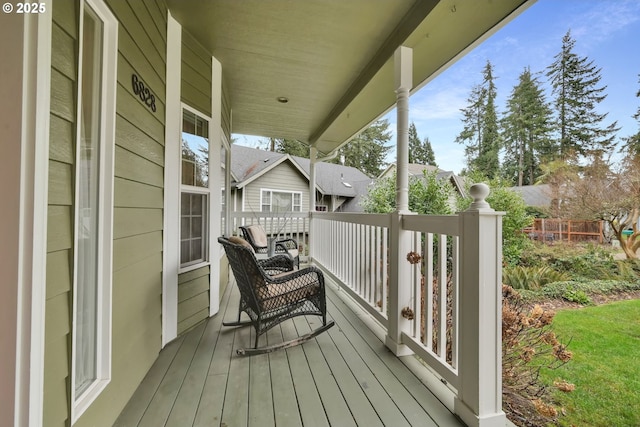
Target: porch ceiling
{"points": [[332, 59]]}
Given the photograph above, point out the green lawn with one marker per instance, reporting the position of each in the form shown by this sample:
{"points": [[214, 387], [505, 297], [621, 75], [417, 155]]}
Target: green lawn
{"points": [[605, 341]]}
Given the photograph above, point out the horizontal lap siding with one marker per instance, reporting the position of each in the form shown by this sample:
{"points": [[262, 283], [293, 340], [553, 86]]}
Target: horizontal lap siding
{"points": [[193, 286], [283, 177], [57, 357], [138, 204], [196, 75], [193, 298]]}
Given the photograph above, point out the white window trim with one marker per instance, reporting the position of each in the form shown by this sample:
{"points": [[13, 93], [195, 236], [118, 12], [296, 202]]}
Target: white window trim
{"points": [[79, 404], [264, 190], [199, 190]]}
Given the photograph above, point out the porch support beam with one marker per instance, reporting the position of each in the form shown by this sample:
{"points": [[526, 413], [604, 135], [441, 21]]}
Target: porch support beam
{"points": [[399, 269], [313, 159], [479, 399]]}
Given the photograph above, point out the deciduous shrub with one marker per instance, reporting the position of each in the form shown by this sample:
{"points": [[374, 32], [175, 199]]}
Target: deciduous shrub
{"points": [[528, 344]]}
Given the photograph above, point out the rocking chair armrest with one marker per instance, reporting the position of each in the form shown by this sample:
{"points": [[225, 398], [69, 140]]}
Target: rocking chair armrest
{"points": [[278, 263], [287, 243], [311, 270]]}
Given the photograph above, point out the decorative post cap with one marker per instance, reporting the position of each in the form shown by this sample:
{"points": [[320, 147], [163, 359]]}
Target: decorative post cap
{"points": [[479, 192]]}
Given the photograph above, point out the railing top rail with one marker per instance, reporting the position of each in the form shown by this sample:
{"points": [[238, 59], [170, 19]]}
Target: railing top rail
{"points": [[276, 215], [437, 224], [380, 220]]}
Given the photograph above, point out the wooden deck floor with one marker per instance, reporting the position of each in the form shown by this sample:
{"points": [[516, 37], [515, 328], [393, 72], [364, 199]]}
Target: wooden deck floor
{"points": [[344, 377]]}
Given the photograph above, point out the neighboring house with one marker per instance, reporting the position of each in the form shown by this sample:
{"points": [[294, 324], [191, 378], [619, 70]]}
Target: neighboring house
{"points": [[535, 196], [266, 181], [109, 227]]}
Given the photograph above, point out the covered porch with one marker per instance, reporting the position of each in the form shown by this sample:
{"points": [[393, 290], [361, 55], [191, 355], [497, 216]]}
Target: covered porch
{"points": [[400, 285], [345, 377]]}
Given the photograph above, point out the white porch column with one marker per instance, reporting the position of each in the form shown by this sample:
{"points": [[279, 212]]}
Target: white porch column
{"points": [[313, 159], [399, 268], [479, 400]]}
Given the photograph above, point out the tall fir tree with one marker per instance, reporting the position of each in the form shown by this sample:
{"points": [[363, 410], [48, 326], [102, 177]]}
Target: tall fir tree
{"points": [[574, 81], [480, 133], [368, 150], [631, 145], [526, 130], [420, 152], [292, 147]]}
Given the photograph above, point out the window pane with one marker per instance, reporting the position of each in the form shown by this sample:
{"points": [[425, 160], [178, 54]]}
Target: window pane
{"points": [[88, 205], [193, 228], [195, 150], [281, 202]]}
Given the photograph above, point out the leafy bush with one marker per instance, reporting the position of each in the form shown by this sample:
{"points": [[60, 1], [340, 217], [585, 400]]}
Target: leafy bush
{"points": [[531, 278], [501, 198], [581, 261], [428, 195]]}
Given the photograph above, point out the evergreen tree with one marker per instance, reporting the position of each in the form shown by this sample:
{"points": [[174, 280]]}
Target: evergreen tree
{"points": [[480, 133], [526, 131], [368, 150], [420, 152], [574, 81], [632, 143], [292, 147]]}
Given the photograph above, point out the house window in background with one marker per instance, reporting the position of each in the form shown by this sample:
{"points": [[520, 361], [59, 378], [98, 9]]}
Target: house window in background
{"points": [[280, 201], [195, 192]]}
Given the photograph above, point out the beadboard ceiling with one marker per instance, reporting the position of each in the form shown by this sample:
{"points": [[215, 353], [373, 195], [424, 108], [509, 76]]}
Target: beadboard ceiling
{"points": [[332, 59]]}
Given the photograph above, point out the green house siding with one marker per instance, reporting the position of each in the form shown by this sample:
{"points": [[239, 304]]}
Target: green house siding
{"points": [[138, 205], [193, 298], [57, 363], [225, 121], [195, 88]]}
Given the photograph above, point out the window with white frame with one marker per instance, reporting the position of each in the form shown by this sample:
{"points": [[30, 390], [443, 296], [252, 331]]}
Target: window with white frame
{"points": [[280, 201], [195, 191], [93, 202]]}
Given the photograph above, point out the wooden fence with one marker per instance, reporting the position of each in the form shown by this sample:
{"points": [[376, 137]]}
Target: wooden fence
{"points": [[552, 229]]}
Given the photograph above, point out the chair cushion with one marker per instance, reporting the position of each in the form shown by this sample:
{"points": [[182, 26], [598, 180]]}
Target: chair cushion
{"points": [[240, 241], [258, 235]]}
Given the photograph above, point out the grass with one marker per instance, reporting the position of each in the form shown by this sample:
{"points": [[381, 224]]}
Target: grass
{"points": [[605, 341]]}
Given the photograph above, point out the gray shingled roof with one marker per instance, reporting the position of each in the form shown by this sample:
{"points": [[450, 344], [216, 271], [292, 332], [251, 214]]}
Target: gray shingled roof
{"points": [[535, 195], [331, 179]]}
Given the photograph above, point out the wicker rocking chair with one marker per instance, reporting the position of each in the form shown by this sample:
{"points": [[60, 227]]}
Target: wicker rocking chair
{"points": [[257, 238], [270, 293]]}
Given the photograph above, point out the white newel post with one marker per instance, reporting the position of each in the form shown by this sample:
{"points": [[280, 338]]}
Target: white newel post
{"points": [[479, 400], [400, 239], [313, 159]]}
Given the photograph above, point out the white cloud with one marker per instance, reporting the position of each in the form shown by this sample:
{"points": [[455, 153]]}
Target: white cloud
{"points": [[602, 20]]}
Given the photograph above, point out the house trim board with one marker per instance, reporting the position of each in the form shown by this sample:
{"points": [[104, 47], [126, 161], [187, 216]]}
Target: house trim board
{"points": [[171, 236], [215, 186], [34, 186]]}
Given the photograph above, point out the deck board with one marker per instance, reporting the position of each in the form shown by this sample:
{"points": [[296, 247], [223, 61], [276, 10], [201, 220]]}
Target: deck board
{"points": [[344, 377]]}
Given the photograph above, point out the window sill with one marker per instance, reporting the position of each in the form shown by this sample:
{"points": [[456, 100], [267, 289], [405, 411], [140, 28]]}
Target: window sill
{"points": [[193, 267]]}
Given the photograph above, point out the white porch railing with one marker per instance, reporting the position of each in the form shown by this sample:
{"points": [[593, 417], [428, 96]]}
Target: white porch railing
{"points": [[354, 249], [434, 283]]}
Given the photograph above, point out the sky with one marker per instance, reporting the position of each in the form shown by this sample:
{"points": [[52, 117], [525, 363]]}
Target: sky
{"points": [[606, 32]]}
